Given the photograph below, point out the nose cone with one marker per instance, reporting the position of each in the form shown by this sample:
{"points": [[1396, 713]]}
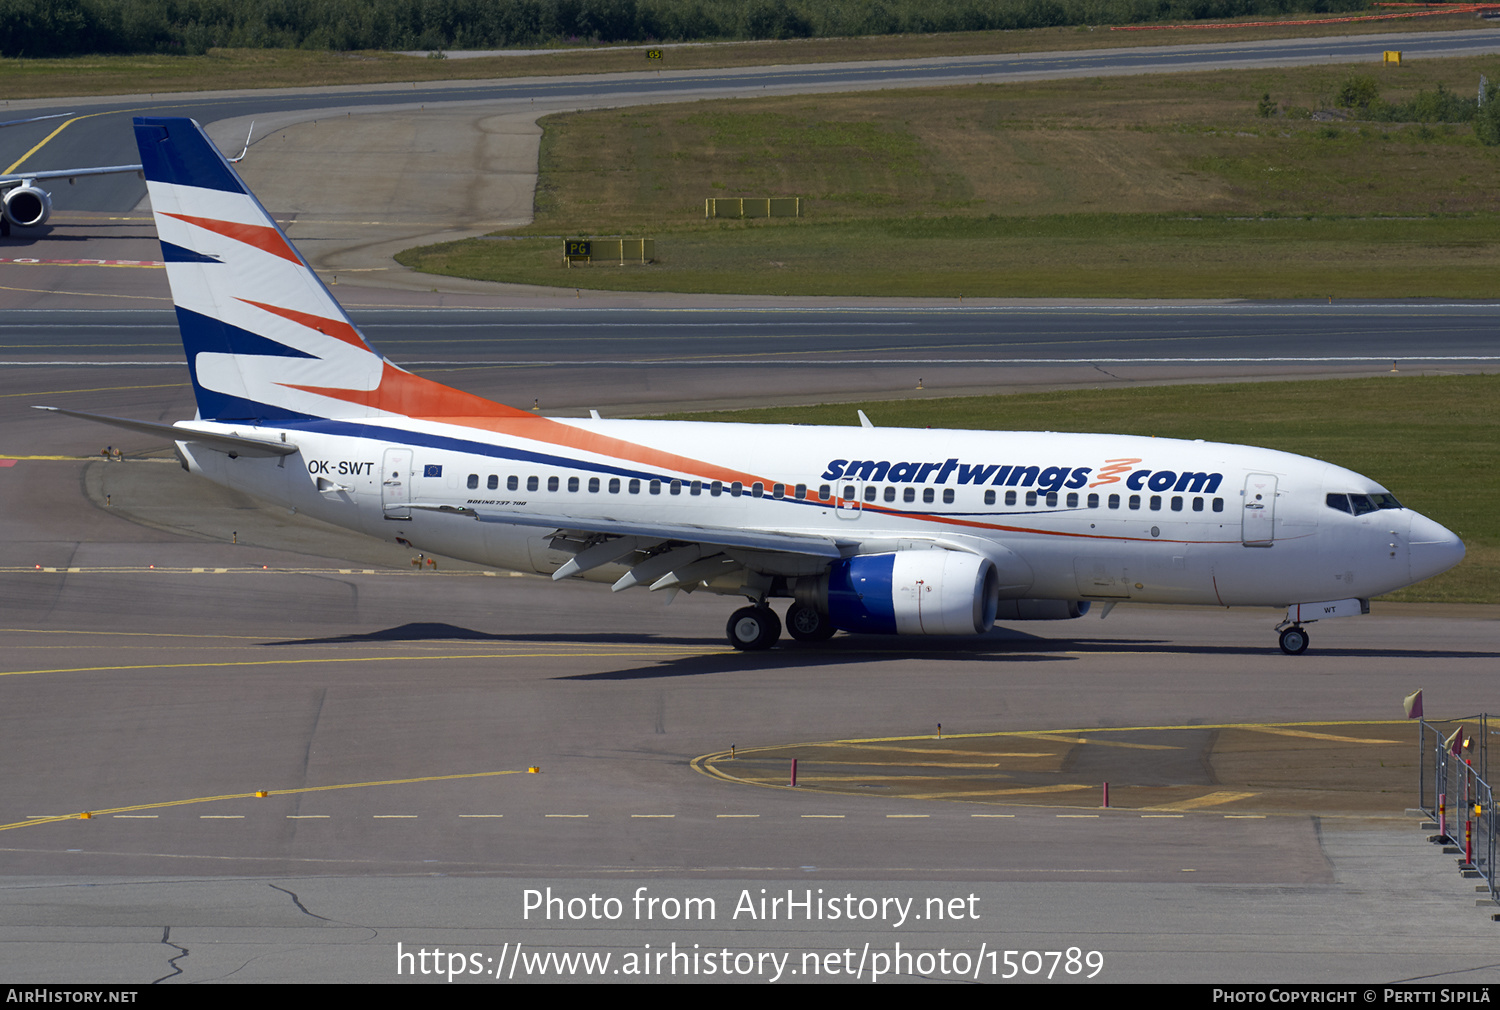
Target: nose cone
{"points": [[1434, 548]]}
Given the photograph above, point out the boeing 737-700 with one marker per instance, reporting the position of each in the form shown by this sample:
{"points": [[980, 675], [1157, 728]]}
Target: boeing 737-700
{"points": [[864, 529]]}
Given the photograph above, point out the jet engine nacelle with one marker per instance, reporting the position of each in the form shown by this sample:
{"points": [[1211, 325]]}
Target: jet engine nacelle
{"points": [[28, 206], [920, 592]]}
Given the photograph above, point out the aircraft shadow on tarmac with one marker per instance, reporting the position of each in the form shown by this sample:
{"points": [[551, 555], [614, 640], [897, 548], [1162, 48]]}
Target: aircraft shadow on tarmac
{"points": [[1002, 643], [46, 235]]}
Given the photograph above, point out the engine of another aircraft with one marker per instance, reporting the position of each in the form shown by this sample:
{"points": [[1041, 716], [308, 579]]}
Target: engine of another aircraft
{"points": [[27, 206]]}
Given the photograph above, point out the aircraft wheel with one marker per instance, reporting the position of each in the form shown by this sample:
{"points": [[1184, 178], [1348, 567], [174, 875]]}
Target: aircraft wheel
{"points": [[1294, 641], [751, 629], [807, 625]]}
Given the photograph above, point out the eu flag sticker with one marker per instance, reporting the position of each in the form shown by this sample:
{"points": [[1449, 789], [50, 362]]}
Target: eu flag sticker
{"points": [[432, 470]]}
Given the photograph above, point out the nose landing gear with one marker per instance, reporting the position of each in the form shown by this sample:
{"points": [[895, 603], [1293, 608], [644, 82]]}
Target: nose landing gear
{"points": [[1294, 640]]}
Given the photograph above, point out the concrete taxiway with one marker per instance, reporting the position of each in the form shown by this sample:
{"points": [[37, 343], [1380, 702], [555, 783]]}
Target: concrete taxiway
{"points": [[172, 650]]}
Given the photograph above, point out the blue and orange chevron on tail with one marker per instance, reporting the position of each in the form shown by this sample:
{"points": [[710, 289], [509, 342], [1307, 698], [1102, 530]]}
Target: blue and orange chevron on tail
{"points": [[265, 340]]}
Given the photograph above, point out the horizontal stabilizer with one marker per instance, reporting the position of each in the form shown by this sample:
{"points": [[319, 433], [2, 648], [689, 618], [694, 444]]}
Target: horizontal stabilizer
{"points": [[235, 445]]}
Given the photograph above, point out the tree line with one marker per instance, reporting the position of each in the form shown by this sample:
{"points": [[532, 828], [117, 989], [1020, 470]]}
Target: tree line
{"points": [[45, 28]]}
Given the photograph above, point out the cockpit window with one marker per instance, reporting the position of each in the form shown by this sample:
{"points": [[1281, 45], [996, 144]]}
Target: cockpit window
{"points": [[1362, 504]]}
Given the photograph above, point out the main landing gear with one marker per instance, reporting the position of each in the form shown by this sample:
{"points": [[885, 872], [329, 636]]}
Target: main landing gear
{"points": [[751, 629], [807, 625], [1294, 640]]}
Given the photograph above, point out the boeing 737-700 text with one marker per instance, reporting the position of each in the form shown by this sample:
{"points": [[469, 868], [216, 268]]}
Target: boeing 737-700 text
{"points": [[865, 529]]}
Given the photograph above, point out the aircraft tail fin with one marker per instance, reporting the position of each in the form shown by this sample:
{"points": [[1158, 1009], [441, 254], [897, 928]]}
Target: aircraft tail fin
{"points": [[265, 340]]}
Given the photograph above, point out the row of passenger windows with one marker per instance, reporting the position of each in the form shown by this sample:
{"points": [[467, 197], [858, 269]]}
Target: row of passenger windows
{"points": [[633, 486], [1153, 502], [825, 492]]}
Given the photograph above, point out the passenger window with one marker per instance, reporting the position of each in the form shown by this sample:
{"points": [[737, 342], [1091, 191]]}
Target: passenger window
{"points": [[552, 483], [512, 482], [1197, 504], [1052, 499], [1218, 504], [1135, 502], [778, 490], [849, 492], [1176, 503], [1030, 498], [654, 487], [532, 483], [1156, 503], [948, 495], [736, 489], [1073, 501], [715, 489], [909, 494], [473, 481], [614, 485], [1114, 501], [989, 498], [675, 487], [870, 493], [634, 487], [928, 494], [890, 493], [593, 485], [493, 483], [573, 485], [696, 489], [824, 492], [1010, 497], [800, 491]]}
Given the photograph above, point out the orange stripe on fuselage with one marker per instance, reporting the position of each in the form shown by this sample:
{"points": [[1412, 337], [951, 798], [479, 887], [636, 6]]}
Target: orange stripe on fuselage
{"points": [[258, 235], [424, 400]]}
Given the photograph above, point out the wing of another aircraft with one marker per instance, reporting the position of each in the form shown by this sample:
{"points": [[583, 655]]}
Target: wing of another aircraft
{"points": [[23, 202], [67, 173]]}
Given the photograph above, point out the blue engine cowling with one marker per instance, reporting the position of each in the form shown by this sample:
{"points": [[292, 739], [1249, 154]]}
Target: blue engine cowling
{"points": [[936, 592]]}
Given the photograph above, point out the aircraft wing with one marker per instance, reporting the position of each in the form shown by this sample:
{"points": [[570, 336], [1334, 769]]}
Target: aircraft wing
{"points": [[69, 173], [714, 536], [677, 556], [234, 445]]}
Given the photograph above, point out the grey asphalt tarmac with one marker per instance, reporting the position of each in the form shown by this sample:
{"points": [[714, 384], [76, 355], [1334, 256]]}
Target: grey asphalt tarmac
{"points": [[180, 649], [173, 649]]}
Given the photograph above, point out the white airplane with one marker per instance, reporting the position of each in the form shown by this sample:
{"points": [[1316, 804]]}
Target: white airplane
{"points": [[23, 202], [865, 529]]}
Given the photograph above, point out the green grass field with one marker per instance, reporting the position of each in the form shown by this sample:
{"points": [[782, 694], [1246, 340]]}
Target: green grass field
{"points": [[1432, 441], [1149, 186], [293, 68]]}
